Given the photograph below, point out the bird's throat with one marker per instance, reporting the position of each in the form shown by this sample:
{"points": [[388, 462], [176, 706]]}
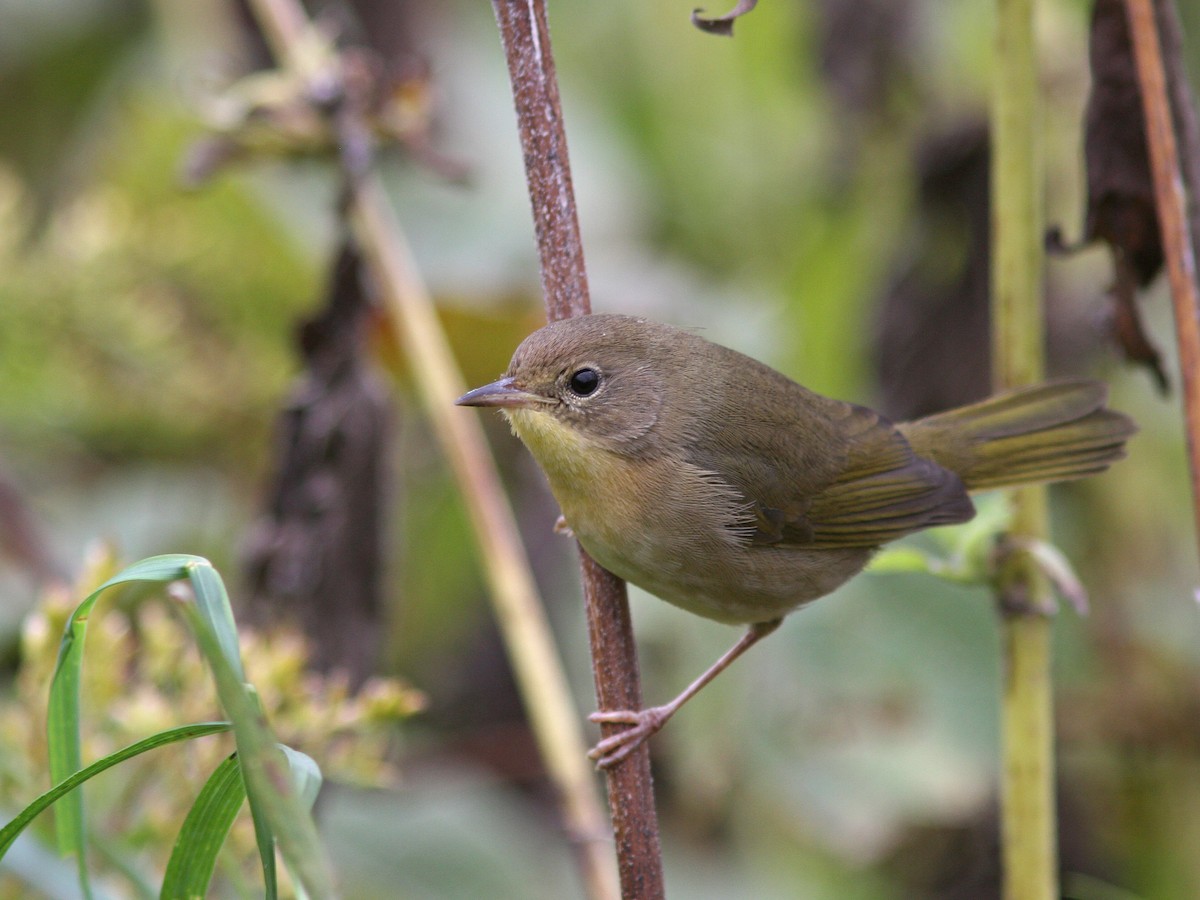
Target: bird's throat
{"points": [[563, 452]]}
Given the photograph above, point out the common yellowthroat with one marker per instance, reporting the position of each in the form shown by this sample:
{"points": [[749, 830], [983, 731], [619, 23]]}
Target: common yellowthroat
{"points": [[725, 488]]}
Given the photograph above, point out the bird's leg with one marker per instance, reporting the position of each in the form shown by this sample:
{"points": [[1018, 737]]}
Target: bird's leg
{"points": [[645, 722]]}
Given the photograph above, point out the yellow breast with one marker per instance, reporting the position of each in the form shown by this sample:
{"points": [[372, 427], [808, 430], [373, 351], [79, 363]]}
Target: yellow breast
{"points": [[559, 449], [661, 523], [597, 489]]}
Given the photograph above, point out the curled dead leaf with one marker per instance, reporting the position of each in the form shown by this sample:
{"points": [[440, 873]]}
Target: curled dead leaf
{"points": [[722, 25]]}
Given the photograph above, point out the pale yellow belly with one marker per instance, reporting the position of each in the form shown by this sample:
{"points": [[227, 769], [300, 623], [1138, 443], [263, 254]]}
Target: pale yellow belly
{"points": [[682, 545], [756, 584]]}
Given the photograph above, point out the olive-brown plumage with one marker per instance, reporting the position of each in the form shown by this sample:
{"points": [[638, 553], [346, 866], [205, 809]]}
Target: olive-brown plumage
{"points": [[722, 486]]}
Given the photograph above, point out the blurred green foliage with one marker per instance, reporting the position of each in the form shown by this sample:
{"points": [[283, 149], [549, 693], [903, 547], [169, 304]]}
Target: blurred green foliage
{"points": [[144, 675], [144, 322], [146, 341]]}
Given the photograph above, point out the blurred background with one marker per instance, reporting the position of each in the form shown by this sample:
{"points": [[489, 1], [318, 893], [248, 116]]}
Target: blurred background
{"points": [[813, 193]]}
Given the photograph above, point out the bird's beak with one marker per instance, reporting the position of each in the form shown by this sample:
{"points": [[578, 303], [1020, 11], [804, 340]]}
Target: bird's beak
{"points": [[503, 393]]}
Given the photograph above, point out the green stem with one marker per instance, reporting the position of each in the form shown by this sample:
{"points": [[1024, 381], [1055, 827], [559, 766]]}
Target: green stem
{"points": [[1025, 602], [1027, 792]]}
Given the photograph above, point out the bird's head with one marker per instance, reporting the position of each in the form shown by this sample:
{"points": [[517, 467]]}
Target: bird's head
{"points": [[582, 383]]}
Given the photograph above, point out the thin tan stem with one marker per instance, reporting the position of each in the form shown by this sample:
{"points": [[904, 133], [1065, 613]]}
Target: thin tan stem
{"points": [[519, 610], [283, 24]]}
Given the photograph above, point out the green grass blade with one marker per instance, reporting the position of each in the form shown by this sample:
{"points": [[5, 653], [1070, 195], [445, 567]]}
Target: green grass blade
{"points": [[265, 837], [250, 729], [278, 811], [279, 815], [306, 775], [213, 603], [9, 832], [62, 728], [194, 858], [169, 567]]}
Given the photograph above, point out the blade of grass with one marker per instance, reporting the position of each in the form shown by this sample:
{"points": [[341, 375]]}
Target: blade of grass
{"points": [[62, 722], [213, 604], [279, 813], [306, 775], [9, 832], [277, 810], [190, 868]]}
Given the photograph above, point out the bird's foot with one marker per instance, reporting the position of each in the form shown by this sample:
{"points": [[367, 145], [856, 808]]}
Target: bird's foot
{"points": [[642, 723], [561, 527]]}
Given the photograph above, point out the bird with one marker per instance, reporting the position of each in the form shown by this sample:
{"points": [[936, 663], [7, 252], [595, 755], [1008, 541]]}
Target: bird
{"points": [[722, 486]]}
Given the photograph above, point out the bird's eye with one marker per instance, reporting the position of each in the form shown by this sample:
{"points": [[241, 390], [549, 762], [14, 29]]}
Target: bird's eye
{"points": [[584, 382]]}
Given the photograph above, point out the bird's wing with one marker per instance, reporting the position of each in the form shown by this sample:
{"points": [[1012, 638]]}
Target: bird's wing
{"points": [[815, 472], [885, 490], [874, 489]]}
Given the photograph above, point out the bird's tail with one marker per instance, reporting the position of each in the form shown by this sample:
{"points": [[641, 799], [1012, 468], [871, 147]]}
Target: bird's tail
{"points": [[1050, 432]]}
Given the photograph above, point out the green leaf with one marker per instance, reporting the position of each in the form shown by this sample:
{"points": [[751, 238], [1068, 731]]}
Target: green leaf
{"points": [[967, 548], [213, 603], [251, 734], [62, 725], [902, 559], [277, 810], [9, 832], [194, 858], [166, 568], [306, 775]]}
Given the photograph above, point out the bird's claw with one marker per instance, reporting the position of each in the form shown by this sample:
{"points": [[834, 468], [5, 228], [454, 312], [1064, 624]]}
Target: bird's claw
{"points": [[642, 724]]}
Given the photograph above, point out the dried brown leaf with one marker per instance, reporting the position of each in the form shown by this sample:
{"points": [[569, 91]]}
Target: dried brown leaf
{"points": [[722, 25], [1120, 208]]}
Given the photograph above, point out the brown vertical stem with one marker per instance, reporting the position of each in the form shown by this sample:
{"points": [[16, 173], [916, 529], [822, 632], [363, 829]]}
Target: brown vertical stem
{"points": [[1170, 199], [526, 39], [519, 612], [630, 786], [1183, 108]]}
